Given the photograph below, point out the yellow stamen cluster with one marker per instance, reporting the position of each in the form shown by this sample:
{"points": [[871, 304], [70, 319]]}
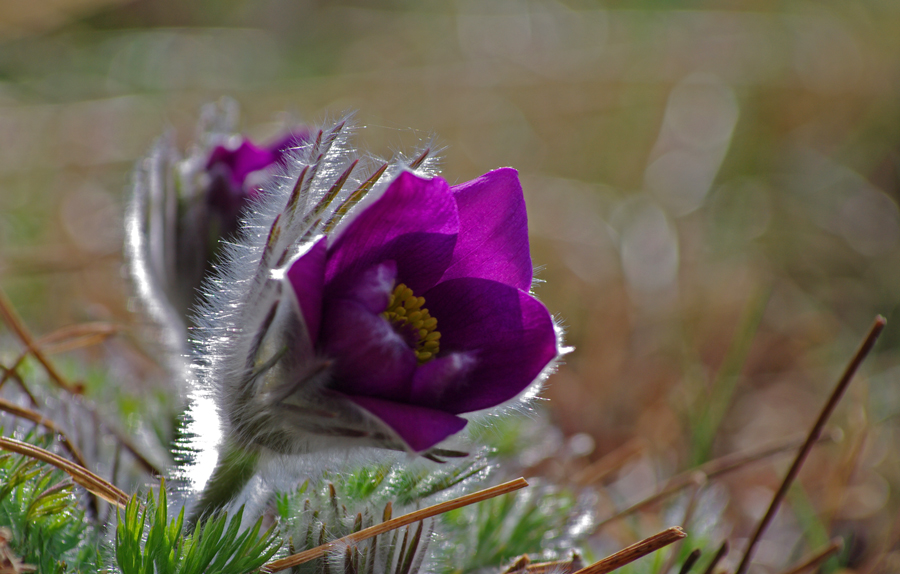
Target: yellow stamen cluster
{"points": [[405, 311]]}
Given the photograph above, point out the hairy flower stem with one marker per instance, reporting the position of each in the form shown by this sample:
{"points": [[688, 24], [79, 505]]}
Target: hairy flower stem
{"points": [[234, 470]]}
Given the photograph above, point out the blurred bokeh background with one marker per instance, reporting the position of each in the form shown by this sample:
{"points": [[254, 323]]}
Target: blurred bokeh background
{"points": [[713, 194]]}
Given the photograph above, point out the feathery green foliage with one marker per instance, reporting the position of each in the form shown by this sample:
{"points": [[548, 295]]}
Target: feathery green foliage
{"points": [[492, 533], [216, 546], [341, 504], [38, 506]]}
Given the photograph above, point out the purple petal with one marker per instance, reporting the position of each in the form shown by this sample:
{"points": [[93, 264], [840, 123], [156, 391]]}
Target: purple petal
{"points": [[370, 358], [372, 289], [242, 161], [493, 230], [440, 378], [414, 223], [508, 331], [421, 428], [307, 277]]}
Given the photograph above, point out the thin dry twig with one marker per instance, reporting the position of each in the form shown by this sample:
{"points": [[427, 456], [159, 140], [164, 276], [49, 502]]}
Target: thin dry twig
{"points": [[738, 460], [524, 565], [818, 557], [811, 439], [77, 336], [125, 442], [711, 469], [11, 374], [635, 551], [83, 334], [720, 553], [117, 435], [43, 261], [93, 483], [14, 322], [63, 339], [555, 567], [608, 464], [690, 561], [518, 564], [39, 419], [395, 523], [699, 481]]}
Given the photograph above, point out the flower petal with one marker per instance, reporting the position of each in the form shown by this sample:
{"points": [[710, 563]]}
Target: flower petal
{"points": [[421, 428], [439, 378], [509, 332], [493, 230], [370, 358], [414, 223], [372, 289], [307, 278], [242, 161]]}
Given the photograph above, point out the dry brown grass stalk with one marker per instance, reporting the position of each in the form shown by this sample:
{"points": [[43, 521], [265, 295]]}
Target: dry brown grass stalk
{"points": [[720, 554], [93, 483], [635, 551], [524, 565], [395, 523], [39, 419], [699, 481], [78, 336], [690, 561], [817, 557], [713, 469], [63, 339], [126, 443], [14, 322], [814, 433], [598, 470], [12, 375]]}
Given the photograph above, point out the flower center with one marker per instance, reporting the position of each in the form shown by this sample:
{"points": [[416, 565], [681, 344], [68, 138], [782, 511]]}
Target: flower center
{"points": [[405, 313]]}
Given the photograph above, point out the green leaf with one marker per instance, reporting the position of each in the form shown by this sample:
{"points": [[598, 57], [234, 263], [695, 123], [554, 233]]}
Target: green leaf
{"points": [[216, 545]]}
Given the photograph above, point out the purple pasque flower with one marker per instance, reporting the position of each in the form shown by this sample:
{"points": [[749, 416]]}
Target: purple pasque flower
{"points": [[365, 303], [236, 172], [420, 306]]}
